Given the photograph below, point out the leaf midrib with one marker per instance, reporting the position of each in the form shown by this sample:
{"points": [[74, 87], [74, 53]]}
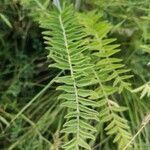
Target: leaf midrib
{"points": [[72, 76]]}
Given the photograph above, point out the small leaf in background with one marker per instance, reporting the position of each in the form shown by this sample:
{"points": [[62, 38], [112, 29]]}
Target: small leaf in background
{"points": [[5, 19], [144, 89]]}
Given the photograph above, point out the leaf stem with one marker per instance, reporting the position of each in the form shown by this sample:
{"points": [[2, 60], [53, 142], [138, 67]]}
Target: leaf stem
{"points": [[73, 78]]}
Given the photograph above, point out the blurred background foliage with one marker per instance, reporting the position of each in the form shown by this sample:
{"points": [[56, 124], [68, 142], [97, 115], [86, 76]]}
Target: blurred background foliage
{"points": [[30, 115]]}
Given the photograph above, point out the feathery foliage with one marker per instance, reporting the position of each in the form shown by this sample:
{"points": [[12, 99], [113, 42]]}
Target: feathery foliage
{"points": [[103, 50], [69, 50], [107, 68], [66, 47], [84, 99]]}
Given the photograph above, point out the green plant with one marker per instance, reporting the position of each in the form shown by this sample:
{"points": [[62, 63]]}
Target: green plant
{"points": [[84, 99], [71, 49], [64, 37]]}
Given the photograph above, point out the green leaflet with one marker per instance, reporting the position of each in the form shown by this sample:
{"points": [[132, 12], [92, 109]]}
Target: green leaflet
{"points": [[84, 92], [107, 62], [85, 134], [67, 96], [89, 116], [6, 20], [59, 66], [83, 144], [87, 102], [70, 123], [69, 129], [69, 104], [87, 126], [66, 88], [71, 144], [88, 110], [86, 82], [65, 79], [98, 93], [144, 89]]}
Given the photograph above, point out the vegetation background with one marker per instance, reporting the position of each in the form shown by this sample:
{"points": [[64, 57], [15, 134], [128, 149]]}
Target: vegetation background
{"points": [[31, 116]]}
